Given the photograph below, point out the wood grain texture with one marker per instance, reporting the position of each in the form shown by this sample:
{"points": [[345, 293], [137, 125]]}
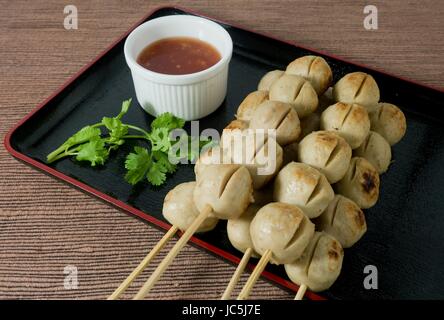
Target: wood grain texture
{"points": [[46, 225]]}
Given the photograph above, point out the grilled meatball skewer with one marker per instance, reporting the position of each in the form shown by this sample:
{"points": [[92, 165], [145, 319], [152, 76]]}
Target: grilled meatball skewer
{"points": [[180, 211], [224, 191], [238, 231], [319, 266], [280, 233]]}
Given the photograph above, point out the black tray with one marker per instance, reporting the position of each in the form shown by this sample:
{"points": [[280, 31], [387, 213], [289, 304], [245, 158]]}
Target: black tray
{"points": [[405, 238]]}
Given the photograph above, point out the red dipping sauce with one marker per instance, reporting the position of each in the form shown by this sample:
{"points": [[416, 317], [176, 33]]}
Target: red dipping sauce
{"points": [[178, 55]]}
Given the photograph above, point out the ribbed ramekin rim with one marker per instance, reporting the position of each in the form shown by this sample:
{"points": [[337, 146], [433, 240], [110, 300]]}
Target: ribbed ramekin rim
{"points": [[185, 78]]}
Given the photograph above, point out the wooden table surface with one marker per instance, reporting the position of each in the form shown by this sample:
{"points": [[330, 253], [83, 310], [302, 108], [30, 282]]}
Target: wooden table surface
{"points": [[46, 225]]}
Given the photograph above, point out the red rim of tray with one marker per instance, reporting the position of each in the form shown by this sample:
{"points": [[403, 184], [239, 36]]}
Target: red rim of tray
{"points": [[144, 216]]}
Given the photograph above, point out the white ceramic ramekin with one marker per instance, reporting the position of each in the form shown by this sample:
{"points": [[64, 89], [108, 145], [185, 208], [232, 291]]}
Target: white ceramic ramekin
{"points": [[189, 96]]}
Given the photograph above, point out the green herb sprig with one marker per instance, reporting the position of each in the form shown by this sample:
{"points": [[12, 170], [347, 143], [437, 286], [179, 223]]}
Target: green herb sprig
{"points": [[91, 145]]}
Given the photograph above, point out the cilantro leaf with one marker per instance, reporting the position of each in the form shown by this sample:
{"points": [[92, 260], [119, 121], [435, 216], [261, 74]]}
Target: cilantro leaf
{"points": [[156, 174], [141, 164], [83, 135], [116, 130], [125, 106], [167, 120], [137, 165], [162, 159], [160, 139], [93, 151], [93, 144]]}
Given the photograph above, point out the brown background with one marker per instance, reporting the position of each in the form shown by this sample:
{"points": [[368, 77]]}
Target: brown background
{"points": [[46, 225]]}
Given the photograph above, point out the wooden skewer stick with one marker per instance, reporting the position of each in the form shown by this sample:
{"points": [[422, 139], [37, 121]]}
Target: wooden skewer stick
{"points": [[237, 274], [255, 275], [149, 284], [143, 264], [301, 292]]}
